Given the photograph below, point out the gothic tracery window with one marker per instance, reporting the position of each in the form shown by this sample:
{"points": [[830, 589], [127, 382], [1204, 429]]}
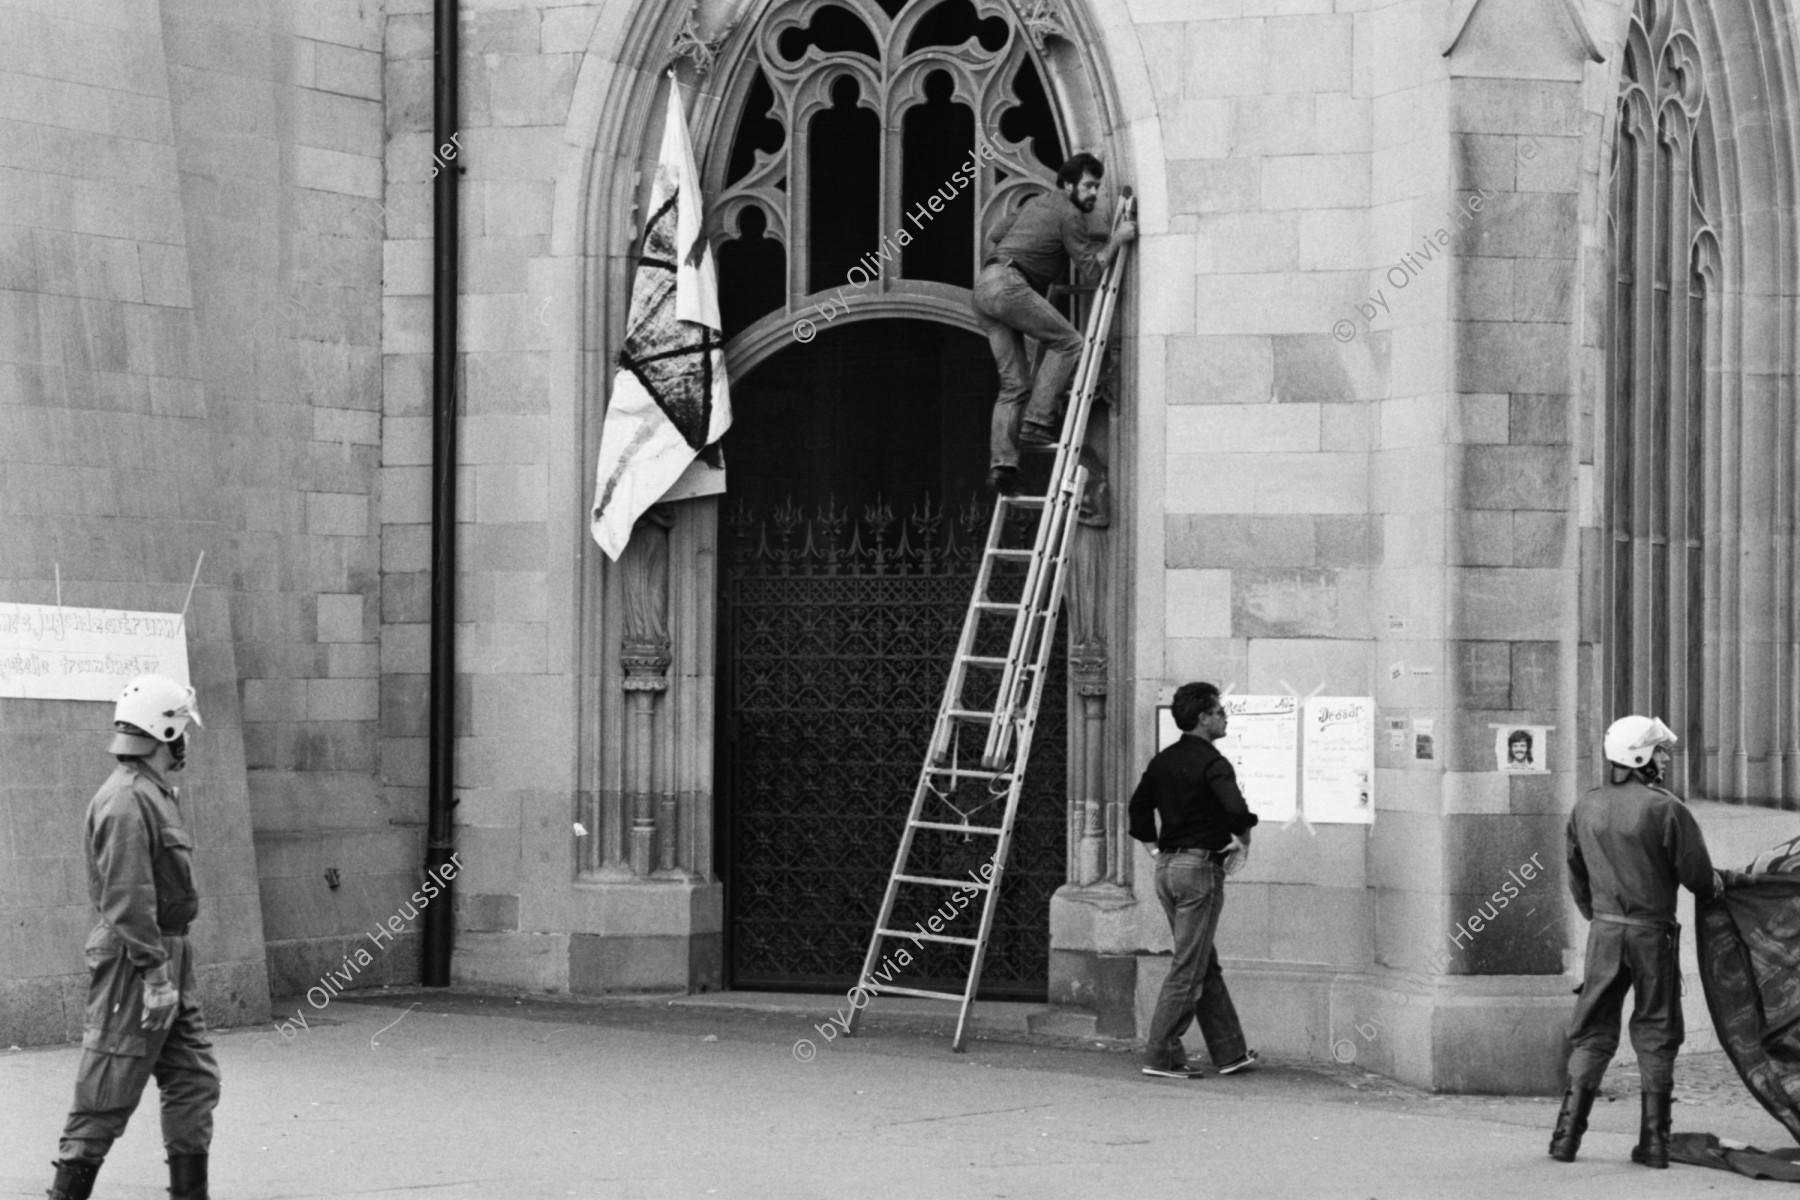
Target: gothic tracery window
{"points": [[857, 122], [1660, 408]]}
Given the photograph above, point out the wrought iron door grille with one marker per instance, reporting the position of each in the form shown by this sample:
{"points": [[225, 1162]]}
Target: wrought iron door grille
{"points": [[839, 626]]}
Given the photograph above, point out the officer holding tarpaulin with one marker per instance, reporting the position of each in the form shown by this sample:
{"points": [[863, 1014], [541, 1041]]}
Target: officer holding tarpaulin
{"points": [[1631, 844], [142, 1015]]}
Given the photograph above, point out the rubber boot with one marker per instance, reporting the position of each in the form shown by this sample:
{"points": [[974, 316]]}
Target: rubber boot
{"points": [[1571, 1123], [74, 1179], [1653, 1132], [187, 1177]]}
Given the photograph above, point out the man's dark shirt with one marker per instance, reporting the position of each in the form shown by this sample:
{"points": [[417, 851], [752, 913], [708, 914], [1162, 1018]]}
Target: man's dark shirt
{"points": [[1042, 237], [1194, 791]]}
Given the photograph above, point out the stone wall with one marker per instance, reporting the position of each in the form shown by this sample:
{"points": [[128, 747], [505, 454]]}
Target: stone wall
{"points": [[1355, 458], [189, 272], [519, 481]]}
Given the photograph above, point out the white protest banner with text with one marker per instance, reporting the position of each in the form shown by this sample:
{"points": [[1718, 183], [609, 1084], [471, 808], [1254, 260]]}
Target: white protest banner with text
{"points": [[52, 653]]}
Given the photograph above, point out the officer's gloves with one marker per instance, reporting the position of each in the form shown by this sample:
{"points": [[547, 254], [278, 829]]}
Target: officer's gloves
{"points": [[1236, 855], [160, 999], [1725, 878]]}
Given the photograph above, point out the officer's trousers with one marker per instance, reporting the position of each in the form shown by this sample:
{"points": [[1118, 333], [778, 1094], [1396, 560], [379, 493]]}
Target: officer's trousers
{"points": [[1645, 959], [118, 1056]]}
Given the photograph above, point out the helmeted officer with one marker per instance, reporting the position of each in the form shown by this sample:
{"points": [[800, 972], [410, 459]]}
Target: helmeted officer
{"points": [[142, 1014], [1632, 843]]}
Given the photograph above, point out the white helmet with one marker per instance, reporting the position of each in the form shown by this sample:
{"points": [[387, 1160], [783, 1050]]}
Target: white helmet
{"points": [[159, 707], [1632, 741]]}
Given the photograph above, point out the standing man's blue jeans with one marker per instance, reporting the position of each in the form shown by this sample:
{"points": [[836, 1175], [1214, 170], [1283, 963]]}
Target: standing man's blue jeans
{"points": [[1191, 886], [1008, 311]]}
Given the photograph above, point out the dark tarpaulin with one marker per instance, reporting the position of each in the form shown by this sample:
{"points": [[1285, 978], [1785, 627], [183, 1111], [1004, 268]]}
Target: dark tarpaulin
{"points": [[1705, 1150], [1749, 949]]}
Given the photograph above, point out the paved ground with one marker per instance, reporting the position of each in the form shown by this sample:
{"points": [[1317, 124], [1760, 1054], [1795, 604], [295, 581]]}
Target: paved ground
{"points": [[432, 1094]]}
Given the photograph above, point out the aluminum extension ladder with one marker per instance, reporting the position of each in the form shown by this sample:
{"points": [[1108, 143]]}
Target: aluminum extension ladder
{"points": [[996, 693]]}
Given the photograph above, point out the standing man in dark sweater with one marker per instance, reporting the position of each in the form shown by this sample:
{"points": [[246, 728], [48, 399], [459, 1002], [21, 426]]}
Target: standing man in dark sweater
{"points": [[1192, 792], [1032, 249]]}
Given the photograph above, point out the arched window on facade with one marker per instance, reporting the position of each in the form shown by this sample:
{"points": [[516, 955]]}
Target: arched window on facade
{"points": [[847, 178], [1661, 435]]}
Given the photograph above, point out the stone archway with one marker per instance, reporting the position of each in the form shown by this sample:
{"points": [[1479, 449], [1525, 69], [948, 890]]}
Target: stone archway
{"points": [[619, 97]]}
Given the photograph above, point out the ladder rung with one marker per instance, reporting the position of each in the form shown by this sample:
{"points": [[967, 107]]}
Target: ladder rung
{"points": [[1023, 501], [921, 993], [920, 935], [951, 827], [1016, 555], [949, 883], [998, 605], [970, 773], [980, 660], [970, 714]]}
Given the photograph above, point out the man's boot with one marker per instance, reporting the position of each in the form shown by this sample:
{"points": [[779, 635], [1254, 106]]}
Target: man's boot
{"points": [[1571, 1123], [74, 1179], [187, 1177], [1653, 1131]]}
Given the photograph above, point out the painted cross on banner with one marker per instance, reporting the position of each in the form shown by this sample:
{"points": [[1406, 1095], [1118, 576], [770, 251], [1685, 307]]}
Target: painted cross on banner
{"points": [[670, 398]]}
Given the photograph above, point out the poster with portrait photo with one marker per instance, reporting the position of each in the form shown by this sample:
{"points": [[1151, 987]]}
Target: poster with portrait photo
{"points": [[1522, 749]]}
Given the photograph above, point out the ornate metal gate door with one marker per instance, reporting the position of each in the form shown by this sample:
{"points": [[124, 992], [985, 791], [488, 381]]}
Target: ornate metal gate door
{"points": [[851, 538]]}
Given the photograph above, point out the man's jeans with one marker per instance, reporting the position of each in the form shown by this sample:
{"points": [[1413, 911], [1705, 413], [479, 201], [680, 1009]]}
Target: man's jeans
{"points": [[1008, 310], [1191, 886]]}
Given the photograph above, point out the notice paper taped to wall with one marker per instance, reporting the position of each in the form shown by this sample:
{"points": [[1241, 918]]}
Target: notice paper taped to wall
{"points": [[1338, 744], [54, 653]]}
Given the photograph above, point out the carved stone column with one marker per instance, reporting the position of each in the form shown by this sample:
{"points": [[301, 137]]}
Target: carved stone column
{"points": [[1089, 859], [645, 656], [1087, 667]]}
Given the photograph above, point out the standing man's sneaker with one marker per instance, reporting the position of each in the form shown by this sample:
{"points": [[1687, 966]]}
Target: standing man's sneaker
{"points": [[1178, 1071], [1246, 1063]]}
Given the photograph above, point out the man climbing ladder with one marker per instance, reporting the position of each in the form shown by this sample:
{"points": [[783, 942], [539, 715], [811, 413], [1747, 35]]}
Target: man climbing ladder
{"points": [[981, 742], [1032, 249]]}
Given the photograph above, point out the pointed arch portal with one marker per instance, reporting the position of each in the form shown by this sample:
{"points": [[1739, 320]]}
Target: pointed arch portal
{"points": [[864, 147]]}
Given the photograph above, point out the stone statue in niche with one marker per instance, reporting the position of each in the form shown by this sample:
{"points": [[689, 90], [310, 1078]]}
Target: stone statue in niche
{"points": [[1096, 498], [645, 568]]}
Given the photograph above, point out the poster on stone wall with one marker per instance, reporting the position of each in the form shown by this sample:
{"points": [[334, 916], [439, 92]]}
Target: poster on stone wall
{"points": [[1522, 748], [1261, 742], [49, 652], [1337, 745]]}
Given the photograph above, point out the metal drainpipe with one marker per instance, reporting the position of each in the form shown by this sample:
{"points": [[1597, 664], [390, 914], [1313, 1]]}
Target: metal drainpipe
{"points": [[440, 925]]}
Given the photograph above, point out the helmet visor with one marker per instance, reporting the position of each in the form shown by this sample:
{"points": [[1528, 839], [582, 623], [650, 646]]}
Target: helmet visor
{"points": [[192, 709]]}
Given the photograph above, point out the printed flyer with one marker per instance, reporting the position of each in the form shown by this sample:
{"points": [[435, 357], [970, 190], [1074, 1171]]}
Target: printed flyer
{"points": [[1338, 748]]}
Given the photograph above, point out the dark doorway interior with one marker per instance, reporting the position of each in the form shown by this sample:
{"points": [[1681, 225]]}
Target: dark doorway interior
{"points": [[849, 541]]}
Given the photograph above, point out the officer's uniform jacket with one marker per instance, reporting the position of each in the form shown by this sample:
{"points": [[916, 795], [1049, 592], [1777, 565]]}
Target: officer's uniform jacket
{"points": [[1630, 846], [141, 881]]}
